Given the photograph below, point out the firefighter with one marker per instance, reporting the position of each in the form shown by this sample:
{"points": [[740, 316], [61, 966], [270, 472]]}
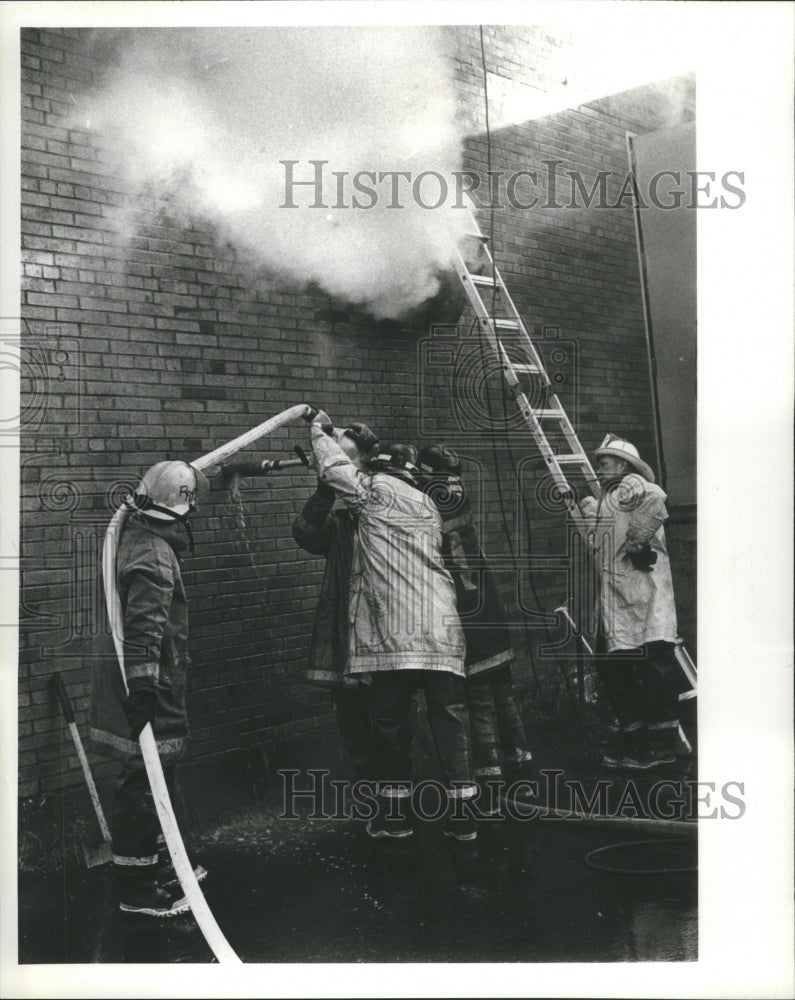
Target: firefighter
{"points": [[404, 631], [635, 659], [500, 747], [326, 527], [155, 626]]}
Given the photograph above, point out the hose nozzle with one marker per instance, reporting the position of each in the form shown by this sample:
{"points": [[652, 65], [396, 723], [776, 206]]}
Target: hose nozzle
{"points": [[246, 469]]}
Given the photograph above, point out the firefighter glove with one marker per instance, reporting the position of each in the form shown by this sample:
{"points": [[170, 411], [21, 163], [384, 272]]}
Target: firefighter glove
{"points": [[643, 559], [320, 417], [140, 706], [322, 420]]}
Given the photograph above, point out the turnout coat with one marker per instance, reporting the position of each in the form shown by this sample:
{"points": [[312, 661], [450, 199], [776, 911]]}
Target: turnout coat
{"points": [[401, 609], [326, 528], [155, 617], [636, 606]]}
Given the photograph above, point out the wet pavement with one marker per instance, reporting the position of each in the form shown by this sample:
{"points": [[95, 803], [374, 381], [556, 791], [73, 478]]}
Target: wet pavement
{"points": [[308, 890]]}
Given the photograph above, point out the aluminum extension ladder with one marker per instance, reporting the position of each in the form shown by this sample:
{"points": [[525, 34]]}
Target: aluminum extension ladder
{"points": [[495, 328], [501, 323]]}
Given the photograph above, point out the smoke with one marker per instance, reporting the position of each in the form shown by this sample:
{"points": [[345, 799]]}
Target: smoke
{"points": [[204, 116]]}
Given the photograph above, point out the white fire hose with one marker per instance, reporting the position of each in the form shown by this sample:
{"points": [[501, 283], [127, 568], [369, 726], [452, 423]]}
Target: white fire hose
{"points": [[165, 811]]}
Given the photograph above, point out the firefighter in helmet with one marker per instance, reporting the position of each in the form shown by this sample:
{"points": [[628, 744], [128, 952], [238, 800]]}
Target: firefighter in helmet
{"points": [[148, 580], [635, 658], [500, 746]]}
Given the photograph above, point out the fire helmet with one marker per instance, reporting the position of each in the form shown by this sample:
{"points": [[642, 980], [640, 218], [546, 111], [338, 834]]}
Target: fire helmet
{"points": [[170, 491], [396, 456], [440, 459], [621, 448], [439, 477]]}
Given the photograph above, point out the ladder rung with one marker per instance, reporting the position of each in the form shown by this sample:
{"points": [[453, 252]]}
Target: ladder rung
{"points": [[526, 369], [483, 279], [550, 408], [576, 459]]}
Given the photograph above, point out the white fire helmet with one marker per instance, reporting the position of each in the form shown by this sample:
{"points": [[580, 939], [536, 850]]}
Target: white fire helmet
{"points": [[170, 491]]}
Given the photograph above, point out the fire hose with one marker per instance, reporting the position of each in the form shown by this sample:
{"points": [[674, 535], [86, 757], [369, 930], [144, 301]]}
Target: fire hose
{"points": [[165, 810]]}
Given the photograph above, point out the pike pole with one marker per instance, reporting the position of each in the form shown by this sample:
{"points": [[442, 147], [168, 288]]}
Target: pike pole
{"points": [[154, 769]]}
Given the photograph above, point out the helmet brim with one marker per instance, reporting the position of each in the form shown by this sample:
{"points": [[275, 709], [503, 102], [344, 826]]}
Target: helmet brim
{"points": [[637, 463]]}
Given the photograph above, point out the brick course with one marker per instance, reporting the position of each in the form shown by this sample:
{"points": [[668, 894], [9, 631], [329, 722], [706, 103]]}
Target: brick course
{"points": [[162, 347]]}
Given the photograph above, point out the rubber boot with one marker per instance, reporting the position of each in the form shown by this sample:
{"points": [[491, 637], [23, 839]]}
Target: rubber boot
{"points": [[166, 876], [639, 756], [460, 825], [612, 745], [663, 741], [392, 821], [631, 750], [491, 785], [521, 773], [140, 895]]}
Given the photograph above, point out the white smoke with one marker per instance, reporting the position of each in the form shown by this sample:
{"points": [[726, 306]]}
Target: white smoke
{"points": [[209, 113]]}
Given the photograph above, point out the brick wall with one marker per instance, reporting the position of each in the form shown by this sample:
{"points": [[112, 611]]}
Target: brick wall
{"points": [[160, 344], [572, 270]]}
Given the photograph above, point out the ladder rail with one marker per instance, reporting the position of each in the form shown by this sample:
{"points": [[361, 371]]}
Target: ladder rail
{"points": [[568, 428], [554, 409], [526, 410], [503, 289]]}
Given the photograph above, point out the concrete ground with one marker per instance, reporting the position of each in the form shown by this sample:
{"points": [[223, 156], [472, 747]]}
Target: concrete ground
{"points": [[317, 890]]}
